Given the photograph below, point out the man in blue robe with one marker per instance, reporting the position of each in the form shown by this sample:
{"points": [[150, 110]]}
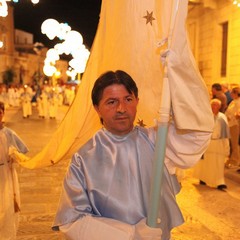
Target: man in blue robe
{"points": [[106, 189]]}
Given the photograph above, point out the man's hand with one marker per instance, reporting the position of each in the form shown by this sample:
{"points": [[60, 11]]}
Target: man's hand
{"points": [[144, 232]]}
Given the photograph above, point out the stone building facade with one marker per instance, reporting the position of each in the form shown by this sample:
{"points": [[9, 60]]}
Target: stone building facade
{"points": [[17, 53], [7, 38], [214, 33]]}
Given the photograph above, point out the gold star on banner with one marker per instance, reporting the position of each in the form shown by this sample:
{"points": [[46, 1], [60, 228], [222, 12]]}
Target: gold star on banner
{"points": [[149, 17], [141, 123]]}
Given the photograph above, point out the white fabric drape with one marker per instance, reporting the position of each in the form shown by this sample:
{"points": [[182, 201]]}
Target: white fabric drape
{"points": [[127, 38]]}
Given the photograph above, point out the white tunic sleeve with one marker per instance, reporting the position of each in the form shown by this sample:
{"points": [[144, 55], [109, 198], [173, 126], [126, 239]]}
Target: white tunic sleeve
{"points": [[184, 148]]}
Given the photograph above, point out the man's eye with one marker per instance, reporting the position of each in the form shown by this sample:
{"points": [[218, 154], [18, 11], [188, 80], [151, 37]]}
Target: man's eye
{"points": [[129, 99], [111, 102]]}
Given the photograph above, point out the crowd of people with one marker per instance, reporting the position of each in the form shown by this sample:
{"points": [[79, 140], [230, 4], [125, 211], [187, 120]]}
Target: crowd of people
{"points": [[223, 150], [46, 98]]}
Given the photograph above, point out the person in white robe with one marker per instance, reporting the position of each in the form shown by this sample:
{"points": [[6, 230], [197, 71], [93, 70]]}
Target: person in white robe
{"points": [[53, 104], [26, 98], [11, 98], [210, 169], [44, 104], [4, 95], [233, 122], [106, 190], [9, 187], [40, 106]]}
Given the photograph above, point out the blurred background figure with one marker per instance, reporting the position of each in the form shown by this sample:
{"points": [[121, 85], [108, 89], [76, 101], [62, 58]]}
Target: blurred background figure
{"points": [[43, 103], [26, 98], [53, 104], [4, 95], [40, 106], [210, 169], [69, 95], [233, 122], [227, 92], [217, 92]]}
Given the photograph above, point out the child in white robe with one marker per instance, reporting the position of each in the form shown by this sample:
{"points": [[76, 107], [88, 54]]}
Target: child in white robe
{"points": [[9, 187]]}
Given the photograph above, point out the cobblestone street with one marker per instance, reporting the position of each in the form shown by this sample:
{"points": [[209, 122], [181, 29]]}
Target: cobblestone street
{"points": [[209, 213]]}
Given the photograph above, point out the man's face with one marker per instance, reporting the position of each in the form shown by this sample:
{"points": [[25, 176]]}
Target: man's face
{"points": [[215, 108], [118, 109], [214, 91]]}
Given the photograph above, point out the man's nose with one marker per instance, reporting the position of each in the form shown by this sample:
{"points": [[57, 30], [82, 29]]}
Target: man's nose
{"points": [[121, 107]]}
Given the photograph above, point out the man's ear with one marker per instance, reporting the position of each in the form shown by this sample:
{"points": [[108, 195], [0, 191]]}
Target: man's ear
{"points": [[96, 109]]}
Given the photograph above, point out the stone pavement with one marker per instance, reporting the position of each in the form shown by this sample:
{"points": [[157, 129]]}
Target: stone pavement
{"points": [[233, 174], [40, 188]]}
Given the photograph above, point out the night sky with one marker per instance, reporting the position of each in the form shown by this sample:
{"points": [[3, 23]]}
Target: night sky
{"points": [[81, 15]]}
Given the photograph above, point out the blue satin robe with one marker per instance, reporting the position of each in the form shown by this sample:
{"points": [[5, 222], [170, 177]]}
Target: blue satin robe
{"points": [[110, 176]]}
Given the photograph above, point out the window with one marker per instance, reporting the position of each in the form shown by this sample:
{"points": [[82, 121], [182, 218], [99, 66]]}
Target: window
{"points": [[224, 49]]}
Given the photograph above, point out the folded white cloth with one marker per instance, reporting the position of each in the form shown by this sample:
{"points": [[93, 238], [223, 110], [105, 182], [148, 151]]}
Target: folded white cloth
{"points": [[98, 228]]}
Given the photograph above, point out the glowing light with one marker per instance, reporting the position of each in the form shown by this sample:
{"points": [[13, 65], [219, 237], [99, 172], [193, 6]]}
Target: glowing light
{"points": [[236, 2], [49, 70], [72, 43], [50, 27], [71, 73], [52, 55], [57, 74], [4, 7], [64, 28]]}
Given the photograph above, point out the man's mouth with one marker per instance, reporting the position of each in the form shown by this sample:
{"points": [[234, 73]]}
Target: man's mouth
{"points": [[121, 118]]}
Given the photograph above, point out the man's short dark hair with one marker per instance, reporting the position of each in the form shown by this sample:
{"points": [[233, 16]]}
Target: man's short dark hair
{"points": [[110, 78]]}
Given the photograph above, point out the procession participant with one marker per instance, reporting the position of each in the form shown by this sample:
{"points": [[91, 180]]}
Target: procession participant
{"points": [[9, 187], [26, 98], [210, 170], [218, 93], [53, 103], [43, 103], [106, 190], [233, 123]]}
